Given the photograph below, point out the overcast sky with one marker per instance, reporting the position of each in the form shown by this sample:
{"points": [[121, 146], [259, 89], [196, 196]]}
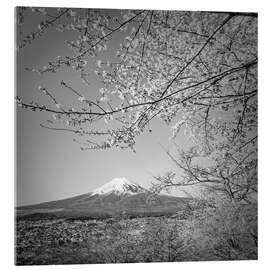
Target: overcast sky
{"points": [[50, 165]]}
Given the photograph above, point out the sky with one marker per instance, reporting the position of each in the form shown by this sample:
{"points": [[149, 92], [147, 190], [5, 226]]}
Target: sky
{"points": [[50, 166]]}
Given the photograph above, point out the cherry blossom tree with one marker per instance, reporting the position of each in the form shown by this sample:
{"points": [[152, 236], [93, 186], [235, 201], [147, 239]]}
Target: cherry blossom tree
{"points": [[196, 71]]}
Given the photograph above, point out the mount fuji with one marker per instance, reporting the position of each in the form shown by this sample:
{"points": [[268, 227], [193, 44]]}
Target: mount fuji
{"points": [[115, 197]]}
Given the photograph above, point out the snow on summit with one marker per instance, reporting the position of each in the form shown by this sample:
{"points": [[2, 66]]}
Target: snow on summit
{"points": [[119, 186]]}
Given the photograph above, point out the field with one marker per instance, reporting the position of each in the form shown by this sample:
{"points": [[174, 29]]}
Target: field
{"points": [[197, 234]]}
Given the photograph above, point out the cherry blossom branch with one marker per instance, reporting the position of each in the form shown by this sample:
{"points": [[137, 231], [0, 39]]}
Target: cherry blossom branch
{"points": [[196, 55], [214, 79], [101, 39], [33, 35], [81, 97], [76, 131]]}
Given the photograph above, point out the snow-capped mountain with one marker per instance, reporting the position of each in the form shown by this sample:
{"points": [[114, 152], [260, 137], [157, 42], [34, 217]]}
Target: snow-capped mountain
{"points": [[117, 196], [119, 186]]}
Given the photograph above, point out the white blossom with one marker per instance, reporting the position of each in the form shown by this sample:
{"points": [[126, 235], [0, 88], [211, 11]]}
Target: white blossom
{"points": [[99, 63], [81, 98]]}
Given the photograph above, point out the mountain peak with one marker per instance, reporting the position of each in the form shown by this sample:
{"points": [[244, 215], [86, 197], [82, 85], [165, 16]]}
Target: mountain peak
{"points": [[120, 180], [119, 186]]}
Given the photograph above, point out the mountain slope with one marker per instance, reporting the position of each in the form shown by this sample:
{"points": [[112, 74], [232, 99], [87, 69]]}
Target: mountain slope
{"points": [[116, 196]]}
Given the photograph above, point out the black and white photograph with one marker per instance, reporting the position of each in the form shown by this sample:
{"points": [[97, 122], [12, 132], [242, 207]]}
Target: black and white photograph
{"points": [[136, 135]]}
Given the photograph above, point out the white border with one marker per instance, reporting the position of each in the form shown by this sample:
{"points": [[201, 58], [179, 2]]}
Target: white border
{"points": [[7, 123]]}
